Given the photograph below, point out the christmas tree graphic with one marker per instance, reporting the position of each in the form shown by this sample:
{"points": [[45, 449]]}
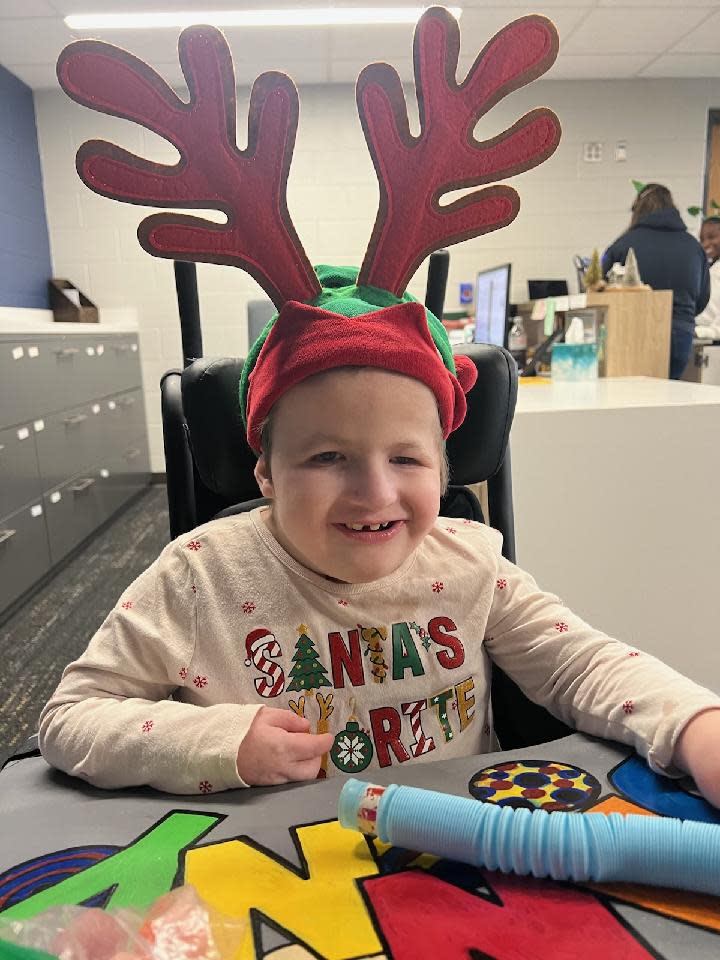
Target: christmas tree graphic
{"points": [[307, 673]]}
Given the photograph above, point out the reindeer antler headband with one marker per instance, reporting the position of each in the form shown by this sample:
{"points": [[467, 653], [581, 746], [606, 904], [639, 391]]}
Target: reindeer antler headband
{"points": [[249, 186]]}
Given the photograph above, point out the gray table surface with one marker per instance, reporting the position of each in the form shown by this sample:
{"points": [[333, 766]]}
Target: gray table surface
{"points": [[42, 811]]}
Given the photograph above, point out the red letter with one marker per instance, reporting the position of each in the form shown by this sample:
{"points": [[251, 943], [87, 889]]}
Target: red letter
{"points": [[387, 736], [421, 744], [436, 629], [348, 660], [422, 915]]}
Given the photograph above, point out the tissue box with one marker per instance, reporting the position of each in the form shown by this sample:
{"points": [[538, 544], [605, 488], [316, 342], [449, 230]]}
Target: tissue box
{"points": [[574, 361]]}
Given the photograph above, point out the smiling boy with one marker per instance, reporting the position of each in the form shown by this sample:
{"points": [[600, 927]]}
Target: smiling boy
{"points": [[345, 625]]}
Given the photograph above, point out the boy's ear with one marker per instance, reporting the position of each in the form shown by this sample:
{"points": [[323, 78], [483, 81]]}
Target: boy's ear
{"points": [[263, 477]]}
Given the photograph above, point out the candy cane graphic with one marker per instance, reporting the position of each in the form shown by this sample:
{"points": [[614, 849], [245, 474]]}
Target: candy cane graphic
{"points": [[422, 743], [260, 646]]}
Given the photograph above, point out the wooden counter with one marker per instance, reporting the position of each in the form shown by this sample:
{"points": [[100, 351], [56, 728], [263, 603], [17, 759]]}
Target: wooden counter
{"points": [[637, 330]]}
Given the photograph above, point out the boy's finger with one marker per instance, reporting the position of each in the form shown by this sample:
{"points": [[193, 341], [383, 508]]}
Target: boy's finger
{"points": [[287, 720], [304, 769], [308, 746]]}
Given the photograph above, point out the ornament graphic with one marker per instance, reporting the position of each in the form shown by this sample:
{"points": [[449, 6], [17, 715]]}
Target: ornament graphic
{"points": [[352, 750]]}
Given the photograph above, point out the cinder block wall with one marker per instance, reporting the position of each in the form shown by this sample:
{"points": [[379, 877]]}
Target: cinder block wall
{"points": [[568, 206]]}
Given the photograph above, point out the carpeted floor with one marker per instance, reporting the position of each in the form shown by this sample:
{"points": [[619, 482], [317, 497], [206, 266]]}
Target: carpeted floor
{"points": [[54, 626]]}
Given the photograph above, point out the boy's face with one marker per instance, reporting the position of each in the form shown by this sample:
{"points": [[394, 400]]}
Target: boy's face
{"points": [[349, 448]]}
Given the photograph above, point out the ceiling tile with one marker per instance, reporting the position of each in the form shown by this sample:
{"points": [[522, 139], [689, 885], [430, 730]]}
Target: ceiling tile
{"points": [[32, 41], [596, 66], [704, 39], [26, 8], [632, 30], [36, 76], [656, 3], [371, 43], [684, 65]]}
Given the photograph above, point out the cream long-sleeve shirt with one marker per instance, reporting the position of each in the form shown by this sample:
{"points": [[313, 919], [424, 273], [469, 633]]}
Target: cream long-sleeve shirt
{"points": [[226, 622]]}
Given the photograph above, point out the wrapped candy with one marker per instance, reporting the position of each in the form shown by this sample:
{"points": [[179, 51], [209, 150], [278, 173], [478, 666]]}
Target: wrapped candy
{"points": [[178, 926]]}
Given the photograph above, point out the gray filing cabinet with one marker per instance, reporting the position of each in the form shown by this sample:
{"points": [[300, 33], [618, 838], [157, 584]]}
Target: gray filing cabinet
{"points": [[704, 363], [73, 445]]}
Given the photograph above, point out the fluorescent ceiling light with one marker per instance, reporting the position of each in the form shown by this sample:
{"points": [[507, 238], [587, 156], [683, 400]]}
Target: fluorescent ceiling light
{"points": [[317, 17]]}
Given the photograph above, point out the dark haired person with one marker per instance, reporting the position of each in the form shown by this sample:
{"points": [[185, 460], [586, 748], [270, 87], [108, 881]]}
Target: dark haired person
{"points": [[669, 258], [707, 324]]}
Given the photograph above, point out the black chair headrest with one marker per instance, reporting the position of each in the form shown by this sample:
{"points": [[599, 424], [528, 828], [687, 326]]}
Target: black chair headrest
{"points": [[225, 462]]}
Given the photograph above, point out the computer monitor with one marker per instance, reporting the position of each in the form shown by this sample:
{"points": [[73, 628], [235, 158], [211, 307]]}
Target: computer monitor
{"points": [[492, 294], [540, 289]]}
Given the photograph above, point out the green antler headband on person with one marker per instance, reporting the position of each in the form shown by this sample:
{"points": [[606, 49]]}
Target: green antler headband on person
{"points": [[327, 317]]}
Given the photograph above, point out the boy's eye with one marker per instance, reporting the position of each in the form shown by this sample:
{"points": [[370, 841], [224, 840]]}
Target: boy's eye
{"points": [[404, 460], [327, 456]]}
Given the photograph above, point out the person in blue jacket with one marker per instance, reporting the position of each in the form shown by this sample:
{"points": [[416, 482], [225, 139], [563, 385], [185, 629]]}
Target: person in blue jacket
{"points": [[668, 258]]}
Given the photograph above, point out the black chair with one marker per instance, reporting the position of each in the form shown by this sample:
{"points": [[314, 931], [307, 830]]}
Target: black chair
{"points": [[209, 468]]}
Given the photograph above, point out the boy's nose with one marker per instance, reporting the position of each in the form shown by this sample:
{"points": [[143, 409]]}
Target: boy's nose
{"points": [[372, 488]]}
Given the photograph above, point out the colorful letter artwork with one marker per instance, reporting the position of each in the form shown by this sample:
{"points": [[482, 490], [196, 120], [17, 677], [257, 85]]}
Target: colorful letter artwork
{"points": [[341, 896]]}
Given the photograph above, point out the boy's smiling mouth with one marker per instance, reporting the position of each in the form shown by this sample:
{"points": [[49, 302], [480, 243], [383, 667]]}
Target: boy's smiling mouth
{"points": [[370, 532]]}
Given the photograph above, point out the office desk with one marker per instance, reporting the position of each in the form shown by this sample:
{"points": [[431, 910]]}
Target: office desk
{"points": [[637, 326], [312, 889], [617, 509]]}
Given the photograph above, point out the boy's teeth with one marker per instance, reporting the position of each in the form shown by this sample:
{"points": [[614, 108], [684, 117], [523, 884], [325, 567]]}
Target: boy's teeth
{"points": [[367, 526]]}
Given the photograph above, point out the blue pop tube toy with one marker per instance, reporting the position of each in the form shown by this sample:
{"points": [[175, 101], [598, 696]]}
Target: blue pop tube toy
{"points": [[601, 848]]}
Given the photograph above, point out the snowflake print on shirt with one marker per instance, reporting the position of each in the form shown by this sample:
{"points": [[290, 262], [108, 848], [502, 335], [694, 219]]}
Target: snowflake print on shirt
{"points": [[183, 673], [634, 653], [147, 726], [342, 603], [194, 545], [205, 786], [450, 530], [127, 605], [438, 586], [561, 627], [501, 583], [628, 706], [248, 607], [200, 682]]}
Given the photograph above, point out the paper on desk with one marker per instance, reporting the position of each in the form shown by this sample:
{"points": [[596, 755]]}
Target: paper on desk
{"points": [[578, 301], [549, 317], [562, 304], [538, 310]]}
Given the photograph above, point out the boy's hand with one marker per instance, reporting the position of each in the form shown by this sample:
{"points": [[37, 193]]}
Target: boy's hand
{"points": [[697, 751], [278, 748]]}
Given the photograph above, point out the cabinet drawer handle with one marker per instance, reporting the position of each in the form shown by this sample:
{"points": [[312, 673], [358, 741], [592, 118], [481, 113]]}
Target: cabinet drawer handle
{"points": [[75, 419], [82, 485], [132, 454], [5, 535], [121, 347], [127, 401], [66, 351]]}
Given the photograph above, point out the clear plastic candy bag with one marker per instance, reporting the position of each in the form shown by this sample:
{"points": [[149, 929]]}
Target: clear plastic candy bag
{"points": [[178, 926]]}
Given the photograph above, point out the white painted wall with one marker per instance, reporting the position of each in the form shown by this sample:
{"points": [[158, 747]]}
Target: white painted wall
{"points": [[568, 206]]}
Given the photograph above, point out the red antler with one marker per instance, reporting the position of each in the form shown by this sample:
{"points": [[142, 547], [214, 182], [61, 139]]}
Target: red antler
{"points": [[414, 172], [249, 186]]}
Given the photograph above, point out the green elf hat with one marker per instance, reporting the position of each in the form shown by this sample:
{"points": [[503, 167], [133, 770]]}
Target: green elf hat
{"points": [[331, 317]]}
